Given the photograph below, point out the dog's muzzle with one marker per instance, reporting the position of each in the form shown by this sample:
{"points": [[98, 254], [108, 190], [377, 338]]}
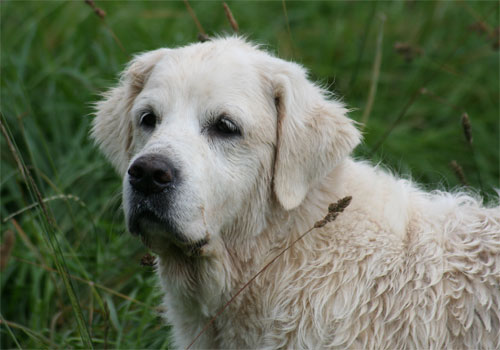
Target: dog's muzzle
{"points": [[153, 180], [152, 173]]}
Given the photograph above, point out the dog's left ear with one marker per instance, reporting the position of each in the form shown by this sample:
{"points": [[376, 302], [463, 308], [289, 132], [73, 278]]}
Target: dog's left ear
{"points": [[314, 133], [112, 125]]}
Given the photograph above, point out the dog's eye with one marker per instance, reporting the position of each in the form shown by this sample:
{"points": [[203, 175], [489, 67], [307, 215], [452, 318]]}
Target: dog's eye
{"points": [[148, 120], [226, 127]]}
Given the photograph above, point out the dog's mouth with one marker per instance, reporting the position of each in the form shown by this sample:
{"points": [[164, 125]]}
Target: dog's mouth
{"points": [[160, 234]]}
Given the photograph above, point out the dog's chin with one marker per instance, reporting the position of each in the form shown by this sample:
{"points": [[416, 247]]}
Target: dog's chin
{"points": [[162, 236]]}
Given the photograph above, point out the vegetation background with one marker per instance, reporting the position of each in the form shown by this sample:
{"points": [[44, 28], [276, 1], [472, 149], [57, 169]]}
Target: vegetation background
{"points": [[71, 276]]}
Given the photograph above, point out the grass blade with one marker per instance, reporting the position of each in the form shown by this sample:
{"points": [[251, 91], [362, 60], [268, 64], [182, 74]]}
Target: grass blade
{"points": [[48, 223], [30, 333], [6, 324], [375, 73]]}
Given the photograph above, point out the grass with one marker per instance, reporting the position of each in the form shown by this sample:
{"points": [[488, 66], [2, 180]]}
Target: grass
{"points": [[56, 57]]}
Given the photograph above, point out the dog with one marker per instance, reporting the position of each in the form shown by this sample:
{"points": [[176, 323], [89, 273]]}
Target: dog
{"points": [[228, 154]]}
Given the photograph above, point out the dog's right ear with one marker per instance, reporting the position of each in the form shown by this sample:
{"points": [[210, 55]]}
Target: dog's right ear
{"points": [[313, 132], [112, 125]]}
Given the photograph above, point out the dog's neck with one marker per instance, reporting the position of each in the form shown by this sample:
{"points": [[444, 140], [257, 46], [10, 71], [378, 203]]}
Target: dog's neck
{"points": [[244, 245], [198, 287]]}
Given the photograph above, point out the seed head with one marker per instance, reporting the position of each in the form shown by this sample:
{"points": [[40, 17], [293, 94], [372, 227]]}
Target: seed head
{"points": [[467, 128], [148, 260], [459, 172], [333, 211], [340, 205], [202, 37], [98, 11], [320, 223]]}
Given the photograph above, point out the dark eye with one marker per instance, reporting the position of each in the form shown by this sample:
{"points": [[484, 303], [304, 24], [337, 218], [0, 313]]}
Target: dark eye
{"points": [[148, 120], [226, 127]]}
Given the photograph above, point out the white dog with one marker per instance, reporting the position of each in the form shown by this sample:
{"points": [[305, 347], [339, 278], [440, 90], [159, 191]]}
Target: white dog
{"points": [[228, 154]]}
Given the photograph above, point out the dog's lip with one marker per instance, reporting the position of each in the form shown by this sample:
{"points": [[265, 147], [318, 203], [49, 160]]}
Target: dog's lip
{"points": [[166, 230], [148, 222], [194, 248]]}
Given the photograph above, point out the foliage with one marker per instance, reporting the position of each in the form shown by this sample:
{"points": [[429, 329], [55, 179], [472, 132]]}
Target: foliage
{"points": [[437, 60]]}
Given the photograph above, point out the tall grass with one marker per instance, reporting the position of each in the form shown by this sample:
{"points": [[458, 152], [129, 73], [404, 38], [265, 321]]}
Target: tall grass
{"points": [[56, 57]]}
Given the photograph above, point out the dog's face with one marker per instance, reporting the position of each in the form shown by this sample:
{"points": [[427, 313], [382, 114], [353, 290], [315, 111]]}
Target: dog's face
{"points": [[199, 144], [209, 136]]}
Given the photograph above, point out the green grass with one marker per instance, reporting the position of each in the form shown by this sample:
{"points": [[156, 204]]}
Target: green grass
{"points": [[56, 57]]}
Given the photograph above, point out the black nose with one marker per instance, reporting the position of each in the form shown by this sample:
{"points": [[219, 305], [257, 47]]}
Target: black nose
{"points": [[151, 173]]}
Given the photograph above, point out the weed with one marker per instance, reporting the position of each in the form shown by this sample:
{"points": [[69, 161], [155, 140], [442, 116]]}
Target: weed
{"points": [[56, 57]]}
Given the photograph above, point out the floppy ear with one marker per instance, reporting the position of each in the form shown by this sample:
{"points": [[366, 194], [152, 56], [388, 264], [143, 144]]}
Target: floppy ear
{"points": [[112, 125], [314, 133]]}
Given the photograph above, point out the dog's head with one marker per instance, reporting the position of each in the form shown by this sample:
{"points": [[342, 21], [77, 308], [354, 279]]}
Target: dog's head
{"points": [[211, 136]]}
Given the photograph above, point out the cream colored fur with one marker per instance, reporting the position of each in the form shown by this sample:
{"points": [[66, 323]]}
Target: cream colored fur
{"points": [[399, 269]]}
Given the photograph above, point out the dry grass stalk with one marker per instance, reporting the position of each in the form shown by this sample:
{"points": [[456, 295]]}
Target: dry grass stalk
{"points": [[230, 17], [202, 33], [6, 248], [375, 72], [115, 37], [467, 128], [288, 25], [459, 172], [367, 26], [439, 99], [334, 210], [397, 120], [368, 22], [98, 11], [33, 205], [101, 14]]}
